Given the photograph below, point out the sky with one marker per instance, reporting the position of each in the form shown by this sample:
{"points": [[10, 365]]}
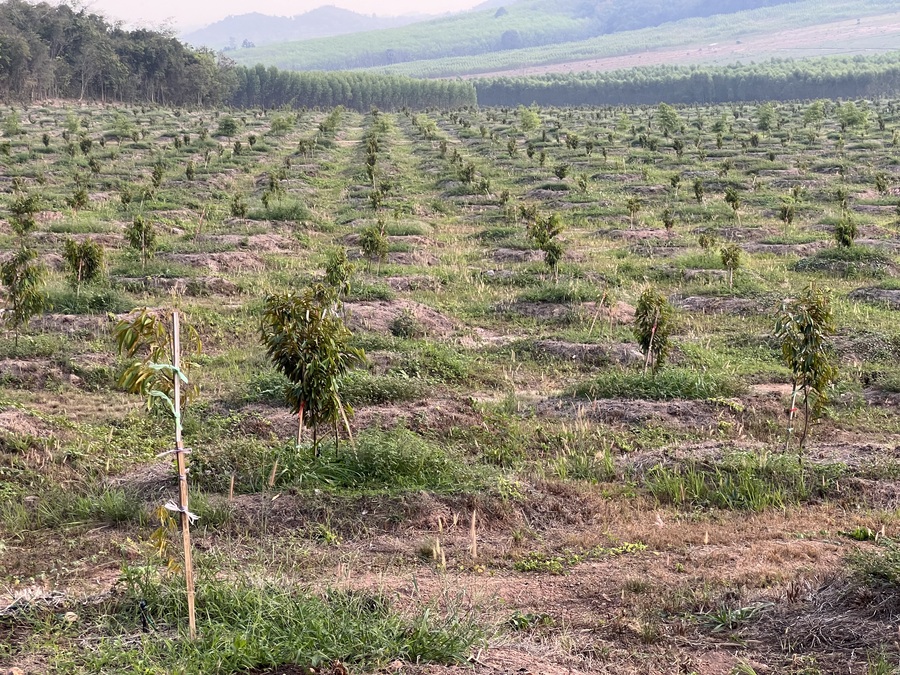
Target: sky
{"points": [[187, 14]]}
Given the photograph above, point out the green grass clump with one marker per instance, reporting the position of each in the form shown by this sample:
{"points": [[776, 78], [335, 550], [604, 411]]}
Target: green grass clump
{"points": [[382, 460], [359, 388], [283, 210], [848, 262], [370, 293], [363, 388], [56, 507], [743, 481], [90, 301], [434, 361], [244, 625], [571, 464], [672, 383], [406, 229], [878, 568]]}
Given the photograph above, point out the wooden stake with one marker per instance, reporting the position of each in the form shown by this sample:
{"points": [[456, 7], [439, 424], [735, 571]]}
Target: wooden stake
{"points": [[473, 532], [182, 477], [791, 414], [231, 489]]}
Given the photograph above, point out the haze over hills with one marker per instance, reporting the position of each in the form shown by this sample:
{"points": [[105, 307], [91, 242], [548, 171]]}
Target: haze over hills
{"points": [[513, 36], [522, 24], [260, 29]]}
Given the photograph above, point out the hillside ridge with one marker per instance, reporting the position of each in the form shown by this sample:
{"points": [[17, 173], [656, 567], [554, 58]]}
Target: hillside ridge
{"points": [[255, 28]]}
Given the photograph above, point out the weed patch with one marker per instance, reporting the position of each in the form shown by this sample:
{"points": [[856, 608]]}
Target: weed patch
{"points": [[672, 383], [246, 625], [743, 481]]}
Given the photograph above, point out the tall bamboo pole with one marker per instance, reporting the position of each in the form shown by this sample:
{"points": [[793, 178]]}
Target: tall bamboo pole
{"points": [[182, 477]]}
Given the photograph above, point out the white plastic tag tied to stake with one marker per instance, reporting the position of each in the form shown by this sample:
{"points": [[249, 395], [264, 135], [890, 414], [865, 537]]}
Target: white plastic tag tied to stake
{"points": [[174, 508]]}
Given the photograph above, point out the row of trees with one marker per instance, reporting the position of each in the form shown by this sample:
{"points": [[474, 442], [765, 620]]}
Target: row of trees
{"points": [[779, 79], [55, 51], [270, 88]]}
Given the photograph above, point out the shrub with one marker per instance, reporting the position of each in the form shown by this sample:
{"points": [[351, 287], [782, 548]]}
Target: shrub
{"points": [[804, 328], [307, 341], [228, 126], [652, 326], [374, 243], [23, 277], [846, 231], [406, 325], [84, 262]]}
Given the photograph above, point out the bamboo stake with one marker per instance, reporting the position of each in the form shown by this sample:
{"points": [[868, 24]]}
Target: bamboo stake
{"points": [[790, 431], [182, 477], [473, 534]]}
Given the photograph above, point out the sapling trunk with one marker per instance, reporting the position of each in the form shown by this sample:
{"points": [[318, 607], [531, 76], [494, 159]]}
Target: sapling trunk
{"points": [[300, 423], [805, 421]]}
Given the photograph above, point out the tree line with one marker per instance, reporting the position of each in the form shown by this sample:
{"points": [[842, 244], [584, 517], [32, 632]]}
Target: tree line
{"points": [[775, 80], [259, 86], [55, 51]]}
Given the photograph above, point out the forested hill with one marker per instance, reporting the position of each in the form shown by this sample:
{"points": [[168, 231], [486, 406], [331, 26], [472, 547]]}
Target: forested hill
{"points": [[526, 23], [53, 51], [49, 51]]}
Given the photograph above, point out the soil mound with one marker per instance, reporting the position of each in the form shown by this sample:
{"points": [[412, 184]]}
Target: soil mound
{"points": [[378, 316]]}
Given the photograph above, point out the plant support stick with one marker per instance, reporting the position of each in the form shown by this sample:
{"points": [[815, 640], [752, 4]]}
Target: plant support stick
{"points": [[182, 477]]}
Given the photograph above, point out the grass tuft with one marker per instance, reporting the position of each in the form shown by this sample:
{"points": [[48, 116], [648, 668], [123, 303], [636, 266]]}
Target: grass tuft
{"points": [[673, 383], [244, 625]]}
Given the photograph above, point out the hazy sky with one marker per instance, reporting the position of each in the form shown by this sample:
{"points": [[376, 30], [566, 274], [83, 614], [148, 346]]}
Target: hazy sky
{"points": [[192, 13]]}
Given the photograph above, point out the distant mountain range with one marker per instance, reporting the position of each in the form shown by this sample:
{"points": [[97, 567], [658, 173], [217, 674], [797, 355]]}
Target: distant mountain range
{"points": [[246, 30]]}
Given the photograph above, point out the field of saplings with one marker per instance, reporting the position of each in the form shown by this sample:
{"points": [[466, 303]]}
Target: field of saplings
{"points": [[608, 390]]}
